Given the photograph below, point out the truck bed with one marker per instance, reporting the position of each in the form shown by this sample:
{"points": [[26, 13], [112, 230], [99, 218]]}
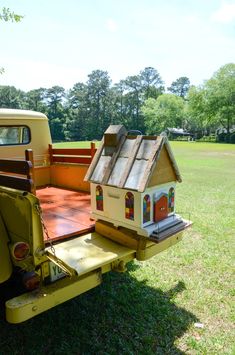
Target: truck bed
{"points": [[65, 212]]}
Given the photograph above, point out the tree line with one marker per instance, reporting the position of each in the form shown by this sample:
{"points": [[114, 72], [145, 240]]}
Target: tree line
{"points": [[140, 102]]}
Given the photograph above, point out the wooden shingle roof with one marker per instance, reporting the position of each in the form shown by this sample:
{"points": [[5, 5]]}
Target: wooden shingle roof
{"points": [[130, 162]]}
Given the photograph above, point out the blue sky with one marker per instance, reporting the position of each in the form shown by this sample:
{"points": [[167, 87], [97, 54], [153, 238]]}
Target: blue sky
{"points": [[60, 42]]}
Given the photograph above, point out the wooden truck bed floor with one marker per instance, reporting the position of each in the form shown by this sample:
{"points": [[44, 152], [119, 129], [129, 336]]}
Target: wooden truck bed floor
{"points": [[65, 212]]}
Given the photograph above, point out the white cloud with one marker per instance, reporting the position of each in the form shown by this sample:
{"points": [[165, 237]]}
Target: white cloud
{"points": [[225, 14], [29, 74], [111, 25]]}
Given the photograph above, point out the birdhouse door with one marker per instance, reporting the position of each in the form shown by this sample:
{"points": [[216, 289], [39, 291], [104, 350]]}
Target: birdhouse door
{"points": [[161, 208]]}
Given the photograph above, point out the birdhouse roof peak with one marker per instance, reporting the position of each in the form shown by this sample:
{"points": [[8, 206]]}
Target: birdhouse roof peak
{"points": [[128, 161]]}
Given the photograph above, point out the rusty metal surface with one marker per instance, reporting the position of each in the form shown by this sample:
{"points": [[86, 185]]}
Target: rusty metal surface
{"points": [[116, 174], [100, 168], [136, 174], [127, 148], [146, 147]]}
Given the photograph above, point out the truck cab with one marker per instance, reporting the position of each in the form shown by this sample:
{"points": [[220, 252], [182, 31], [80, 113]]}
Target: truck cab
{"points": [[20, 130]]}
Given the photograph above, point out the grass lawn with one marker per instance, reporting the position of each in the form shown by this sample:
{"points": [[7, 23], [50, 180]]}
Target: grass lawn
{"points": [[85, 144], [179, 302]]}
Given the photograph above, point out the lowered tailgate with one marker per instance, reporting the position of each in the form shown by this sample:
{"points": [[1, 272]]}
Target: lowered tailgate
{"points": [[90, 252]]}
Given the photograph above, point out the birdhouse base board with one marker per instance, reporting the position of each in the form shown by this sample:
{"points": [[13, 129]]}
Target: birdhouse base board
{"points": [[121, 235]]}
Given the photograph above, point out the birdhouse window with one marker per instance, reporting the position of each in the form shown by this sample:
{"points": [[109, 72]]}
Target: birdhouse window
{"points": [[129, 206], [171, 200], [99, 198], [146, 209]]}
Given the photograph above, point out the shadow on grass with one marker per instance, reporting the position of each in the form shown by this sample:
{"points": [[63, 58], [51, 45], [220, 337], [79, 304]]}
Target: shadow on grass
{"points": [[122, 316]]}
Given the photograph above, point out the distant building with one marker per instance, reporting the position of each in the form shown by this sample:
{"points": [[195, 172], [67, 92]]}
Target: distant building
{"points": [[177, 132], [222, 129]]}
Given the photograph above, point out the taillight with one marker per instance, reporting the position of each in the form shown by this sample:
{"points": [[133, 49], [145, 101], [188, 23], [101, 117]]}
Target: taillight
{"points": [[20, 250]]}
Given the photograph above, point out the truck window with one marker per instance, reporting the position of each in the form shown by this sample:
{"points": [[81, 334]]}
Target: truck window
{"points": [[14, 135]]}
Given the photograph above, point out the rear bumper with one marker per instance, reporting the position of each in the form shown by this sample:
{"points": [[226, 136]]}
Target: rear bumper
{"points": [[28, 305]]}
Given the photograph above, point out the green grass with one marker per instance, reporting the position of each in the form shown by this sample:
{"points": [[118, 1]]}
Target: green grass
{"points": [[154, 308], [84, 144]]}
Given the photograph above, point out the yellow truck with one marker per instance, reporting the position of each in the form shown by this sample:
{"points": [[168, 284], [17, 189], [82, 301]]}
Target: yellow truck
{"points": [[51, 249]]}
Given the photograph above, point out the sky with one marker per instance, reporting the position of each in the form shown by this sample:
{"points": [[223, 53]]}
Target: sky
{"points": [[60, 42]]}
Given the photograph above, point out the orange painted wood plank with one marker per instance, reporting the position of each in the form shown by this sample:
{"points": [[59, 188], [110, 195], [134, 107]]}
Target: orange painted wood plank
{"points": [[72, 151], [65, 212], [77, 160], [75, 215]]}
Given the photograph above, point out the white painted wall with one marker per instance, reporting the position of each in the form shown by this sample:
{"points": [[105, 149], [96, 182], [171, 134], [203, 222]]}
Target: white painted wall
{"points": [[114, 206], [154, 193]]}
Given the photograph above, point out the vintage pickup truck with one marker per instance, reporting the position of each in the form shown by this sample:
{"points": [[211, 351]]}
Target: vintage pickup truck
{"points": [[51, 250]]}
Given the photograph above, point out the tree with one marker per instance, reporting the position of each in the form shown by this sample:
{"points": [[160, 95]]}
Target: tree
{"points": [[99, 103], [213, 104], [132, 92], [180, 87], [196, 114], [78, 110], [118, 94], [54, 97], [164, 112], [220, 96], [7, 15], [151, 82], [34, 100], [133, 101], [56, 113], [10, 97]]}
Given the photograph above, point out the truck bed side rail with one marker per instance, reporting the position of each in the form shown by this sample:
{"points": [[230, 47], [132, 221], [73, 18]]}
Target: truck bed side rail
{"points": [[72, 155], [18, 174]]}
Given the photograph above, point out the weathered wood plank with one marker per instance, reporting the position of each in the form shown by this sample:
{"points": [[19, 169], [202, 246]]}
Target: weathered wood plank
{"points": [[16, 182], [164, 171], [31, 173], [93, 150], [15, 166], [113, 134], [121, 235], [50, 153]]}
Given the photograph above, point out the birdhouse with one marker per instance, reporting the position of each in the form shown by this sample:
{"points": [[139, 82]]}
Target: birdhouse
{"points": [[133, 181]]}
